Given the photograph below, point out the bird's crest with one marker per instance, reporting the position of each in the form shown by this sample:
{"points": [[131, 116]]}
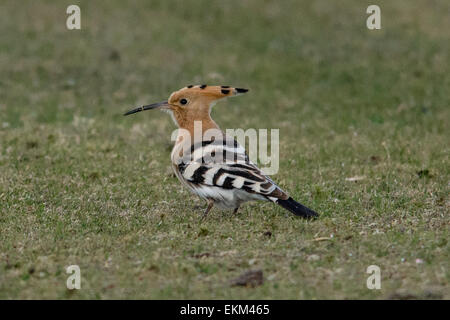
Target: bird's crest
{"points": [[208, 92]]}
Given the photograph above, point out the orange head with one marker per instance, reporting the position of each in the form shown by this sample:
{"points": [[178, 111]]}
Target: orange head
{"points": [[192, 103]]}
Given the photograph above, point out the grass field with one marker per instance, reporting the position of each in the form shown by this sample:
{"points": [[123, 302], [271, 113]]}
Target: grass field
{"points": [[81, 184]]}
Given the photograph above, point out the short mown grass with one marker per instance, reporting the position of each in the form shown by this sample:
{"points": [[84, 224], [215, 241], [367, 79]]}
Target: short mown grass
{"points": [[81, 184]]}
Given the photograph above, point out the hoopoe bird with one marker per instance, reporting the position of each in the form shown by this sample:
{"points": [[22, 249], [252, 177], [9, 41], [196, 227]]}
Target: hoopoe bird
{"points": [[198, 159]]}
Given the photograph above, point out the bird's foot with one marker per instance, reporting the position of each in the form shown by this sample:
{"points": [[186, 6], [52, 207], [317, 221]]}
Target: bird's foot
{"points": [[208, 208]]}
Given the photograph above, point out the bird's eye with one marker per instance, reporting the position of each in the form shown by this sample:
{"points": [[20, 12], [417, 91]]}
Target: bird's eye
{"points": [[183, 101]]}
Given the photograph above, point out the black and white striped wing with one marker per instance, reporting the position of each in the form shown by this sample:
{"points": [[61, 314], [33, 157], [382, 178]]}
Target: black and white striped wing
{"points": [[225, 164]]}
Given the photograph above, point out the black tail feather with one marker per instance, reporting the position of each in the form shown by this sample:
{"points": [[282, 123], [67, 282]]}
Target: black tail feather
{"points": [[297, 208]]}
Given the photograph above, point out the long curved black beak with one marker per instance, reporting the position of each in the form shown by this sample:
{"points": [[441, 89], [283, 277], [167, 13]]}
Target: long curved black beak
{"points": [[147, 107]]}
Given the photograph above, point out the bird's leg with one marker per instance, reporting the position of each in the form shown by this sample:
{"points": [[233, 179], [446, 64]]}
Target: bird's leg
{"points": [[208, 208], [235, 210]]}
